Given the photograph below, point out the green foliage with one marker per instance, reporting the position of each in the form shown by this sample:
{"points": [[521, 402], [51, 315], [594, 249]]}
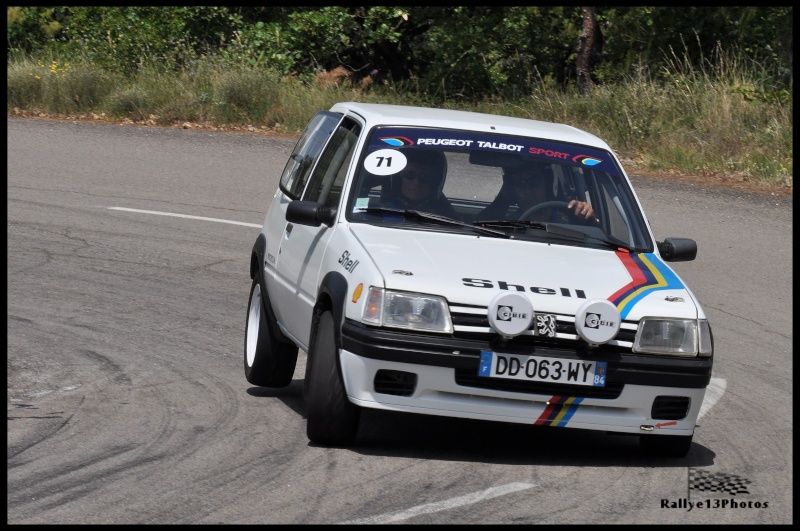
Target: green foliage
{"points": [[32, 28], [651, 35], [126, 39], [304, 41], [443, 52], [776, 97]]}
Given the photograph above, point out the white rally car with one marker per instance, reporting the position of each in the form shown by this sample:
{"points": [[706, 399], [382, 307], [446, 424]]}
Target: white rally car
{"points": [[533, 315]]}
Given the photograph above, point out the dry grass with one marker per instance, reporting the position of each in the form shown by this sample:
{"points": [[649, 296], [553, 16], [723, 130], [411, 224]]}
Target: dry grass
{"points": [[714, 124]]}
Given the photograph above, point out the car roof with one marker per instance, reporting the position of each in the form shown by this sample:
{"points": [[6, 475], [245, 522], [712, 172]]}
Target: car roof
{"points": [[405, 115]]}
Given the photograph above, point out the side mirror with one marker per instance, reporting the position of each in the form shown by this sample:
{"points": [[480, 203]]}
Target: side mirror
{"points": [[310, 213], [677, 249]]}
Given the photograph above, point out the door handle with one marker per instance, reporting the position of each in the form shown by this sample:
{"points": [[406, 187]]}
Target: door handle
{"points": [[289, 229]]}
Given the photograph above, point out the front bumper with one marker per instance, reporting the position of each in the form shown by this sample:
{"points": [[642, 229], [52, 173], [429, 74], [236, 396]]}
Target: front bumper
{"points": [[445, 379]]}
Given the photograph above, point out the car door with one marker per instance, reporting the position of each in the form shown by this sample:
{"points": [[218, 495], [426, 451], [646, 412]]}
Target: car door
{"points": [[302, 247], [292, 184]]}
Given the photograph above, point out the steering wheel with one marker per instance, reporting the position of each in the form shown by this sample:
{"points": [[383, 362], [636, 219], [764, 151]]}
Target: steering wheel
{"points": [[562, 205]]}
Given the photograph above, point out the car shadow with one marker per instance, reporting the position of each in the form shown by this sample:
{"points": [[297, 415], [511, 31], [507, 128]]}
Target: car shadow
{"points": [[415, 436]]}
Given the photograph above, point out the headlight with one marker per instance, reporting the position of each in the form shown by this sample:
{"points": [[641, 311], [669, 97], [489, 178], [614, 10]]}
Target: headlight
{"points": [[675, 337], [415, 311]]}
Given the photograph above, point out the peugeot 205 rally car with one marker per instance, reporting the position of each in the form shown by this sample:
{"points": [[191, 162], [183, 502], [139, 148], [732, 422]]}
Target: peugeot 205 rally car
{"points": [[556, 322]]}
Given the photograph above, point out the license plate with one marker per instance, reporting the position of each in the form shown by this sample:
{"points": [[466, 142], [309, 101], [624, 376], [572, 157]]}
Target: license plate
{"points": [[541, 369]]}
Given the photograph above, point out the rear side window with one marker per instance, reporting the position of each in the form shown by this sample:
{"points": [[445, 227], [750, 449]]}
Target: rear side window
{"points": [[306, 152]]}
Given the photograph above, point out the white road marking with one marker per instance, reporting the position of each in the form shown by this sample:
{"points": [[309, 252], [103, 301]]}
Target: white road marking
{"points": [[428, 508], [201, 218], [714, 391]]}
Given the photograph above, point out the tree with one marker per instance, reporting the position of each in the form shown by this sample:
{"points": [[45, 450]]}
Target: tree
{"points": [[590, 44]]}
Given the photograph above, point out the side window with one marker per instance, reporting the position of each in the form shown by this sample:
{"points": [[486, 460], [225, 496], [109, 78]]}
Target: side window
{"points": [[325, 184], [618, 226], [618, 207], [306, 151]]}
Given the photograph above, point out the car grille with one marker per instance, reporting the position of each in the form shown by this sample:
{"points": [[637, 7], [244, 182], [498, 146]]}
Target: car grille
{"points": [[472, 322]]}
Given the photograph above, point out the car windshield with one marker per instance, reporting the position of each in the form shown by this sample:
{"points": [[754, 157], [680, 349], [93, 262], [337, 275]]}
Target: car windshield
{"points": [[531, 189]]}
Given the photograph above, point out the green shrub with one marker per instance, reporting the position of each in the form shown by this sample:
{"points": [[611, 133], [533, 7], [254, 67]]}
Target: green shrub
{"points": [[24, 85], [245, 95]]}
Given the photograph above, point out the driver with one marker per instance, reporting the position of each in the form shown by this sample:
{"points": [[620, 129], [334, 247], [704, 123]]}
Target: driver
{"points": [[419, 185], [526, 187]]}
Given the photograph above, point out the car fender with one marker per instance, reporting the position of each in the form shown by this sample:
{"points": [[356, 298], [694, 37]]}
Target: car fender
{"points": [[256, 268], [334, 287], [257, 255]]}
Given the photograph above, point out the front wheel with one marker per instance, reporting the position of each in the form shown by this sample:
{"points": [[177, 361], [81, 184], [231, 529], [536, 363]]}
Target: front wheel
{"points": [[332, 420], [665, 445], [268, 362]]}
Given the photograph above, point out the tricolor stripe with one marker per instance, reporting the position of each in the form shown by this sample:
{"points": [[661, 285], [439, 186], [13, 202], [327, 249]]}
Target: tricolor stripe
{"points": [[648, 273], [559, 411], [397, 141]]}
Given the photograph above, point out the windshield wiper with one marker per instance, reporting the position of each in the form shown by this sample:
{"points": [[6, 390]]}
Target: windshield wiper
{"points": [[552, 228], [436, 218], [613, 243], [517, 223], [559, 230]]}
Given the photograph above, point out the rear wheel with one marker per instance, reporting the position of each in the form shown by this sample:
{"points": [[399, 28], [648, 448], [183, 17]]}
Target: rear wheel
{"points": [[332, 418], [268, 361], [665, 445]]}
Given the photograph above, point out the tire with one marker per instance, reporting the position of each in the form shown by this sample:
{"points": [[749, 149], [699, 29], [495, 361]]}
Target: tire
{"points": [[665, 445], [268, 361], [332, 420]]}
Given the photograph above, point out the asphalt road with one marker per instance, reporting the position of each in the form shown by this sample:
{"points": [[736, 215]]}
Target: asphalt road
{"points": [[127, 402]]}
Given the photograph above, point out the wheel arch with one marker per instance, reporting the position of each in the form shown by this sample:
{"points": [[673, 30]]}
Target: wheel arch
{"points": [[256, 269], [330, 297], [257, 255], [333, 296]]}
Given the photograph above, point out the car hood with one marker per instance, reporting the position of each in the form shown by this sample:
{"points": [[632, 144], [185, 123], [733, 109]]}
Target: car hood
{"points": [[471, 270]]}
